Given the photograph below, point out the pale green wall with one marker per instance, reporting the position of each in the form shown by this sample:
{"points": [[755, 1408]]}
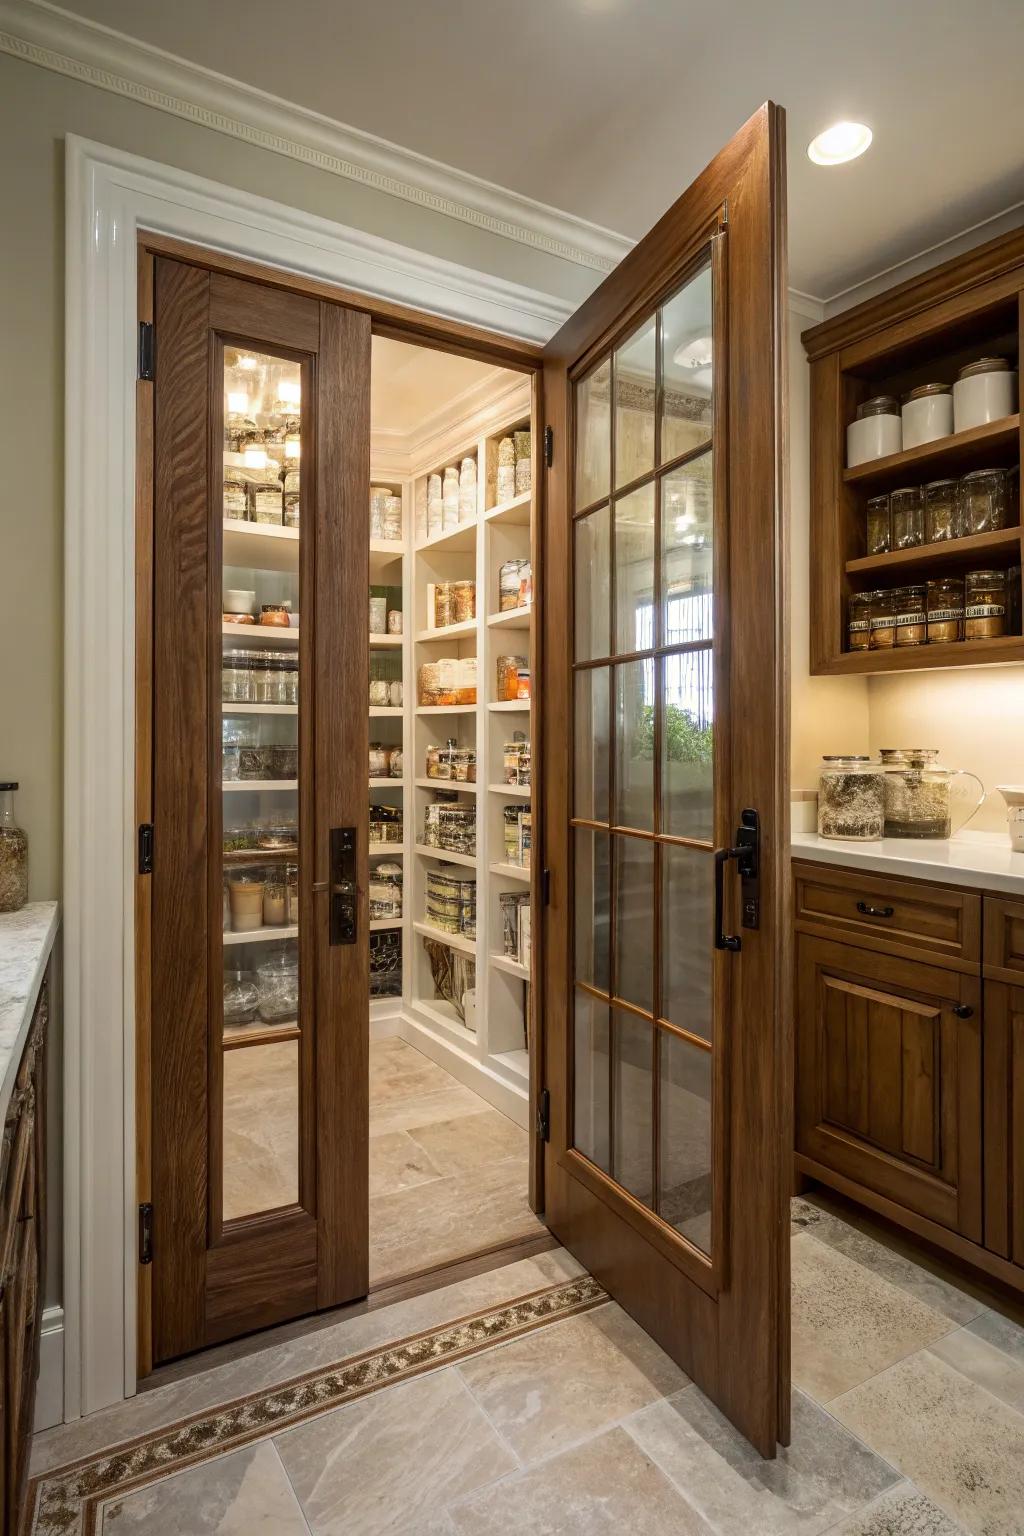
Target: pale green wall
{"points": [[37, 108]]}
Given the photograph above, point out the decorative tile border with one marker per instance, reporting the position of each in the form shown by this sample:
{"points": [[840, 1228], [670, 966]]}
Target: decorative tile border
{"points": [[65, 1500]]}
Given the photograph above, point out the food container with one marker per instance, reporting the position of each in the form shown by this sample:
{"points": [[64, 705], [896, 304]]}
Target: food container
{"points": [[523, 683], [385, 892], [435, 505], [379, 496], [451, 900], [878, 530], [284, 762], [985, 500], [918, 793], [941, 511], [395, 763], [1013, 794], [524, 468], [984, 605], [511, 576], [877, 431], [911, 615], [380, 693], [275, 900], [508, 677], [463, 601], [275, 836], [883, 621], [378, 610], [850, 798], [464, 765], [229, 771], [292, 509], [927, 414], [236, 501], [450, 498], [238, 600], [254, 762], [291, 875], [505, 488], [278, 983], [394, 621], [13, 853], [945, 604], [985, 391], [240, 837], [858, 626], [385, 824], [378, 760], [274, 615], [441, 760], [467, 490], [444, 604], [241, 997], [236, 678], [907, 510], [245, 892], [267, 504], [393, 519]]}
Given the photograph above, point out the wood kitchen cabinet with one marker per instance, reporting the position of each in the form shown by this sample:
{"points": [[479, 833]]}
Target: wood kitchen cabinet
{"points": [[1004, 1078]]}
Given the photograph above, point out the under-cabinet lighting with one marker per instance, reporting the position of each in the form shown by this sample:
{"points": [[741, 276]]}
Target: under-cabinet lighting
{"points": [[842, 142]]}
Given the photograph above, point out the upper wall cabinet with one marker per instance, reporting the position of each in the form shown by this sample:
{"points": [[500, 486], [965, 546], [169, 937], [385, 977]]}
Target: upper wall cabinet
{"points": [[915, 512]]}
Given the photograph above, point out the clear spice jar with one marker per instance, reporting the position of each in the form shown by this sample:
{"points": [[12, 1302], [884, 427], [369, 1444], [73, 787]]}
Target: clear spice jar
{"points": [[851, 801], [13, 853], [236, 678], [878, 531], [985, 500], [941, 511], [907, 517], [945, 604], [883, 621], [984, 605], [911, 615], [858, 627], [463, 601]]}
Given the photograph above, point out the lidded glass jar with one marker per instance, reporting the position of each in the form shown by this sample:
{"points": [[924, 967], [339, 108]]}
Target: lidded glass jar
{"points": [[945, 610], [918, 792], [278, 983], [985, 500], [879, 533], [385, 891], [911, 619], [984, 605], [941, 511], [13, 853], [859, 622], [907, 517], [850, 803], [883, 620]]}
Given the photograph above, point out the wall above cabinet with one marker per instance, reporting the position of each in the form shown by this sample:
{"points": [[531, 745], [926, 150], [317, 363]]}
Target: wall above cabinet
{"points": [[944, 328]]}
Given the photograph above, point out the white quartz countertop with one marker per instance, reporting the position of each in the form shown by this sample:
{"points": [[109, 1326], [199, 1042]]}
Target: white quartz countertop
{"points": [[26, 938], [981, 860]]}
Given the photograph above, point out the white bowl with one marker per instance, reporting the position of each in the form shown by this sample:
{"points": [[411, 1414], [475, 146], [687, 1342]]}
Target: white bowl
{"points": [[237, 601]]}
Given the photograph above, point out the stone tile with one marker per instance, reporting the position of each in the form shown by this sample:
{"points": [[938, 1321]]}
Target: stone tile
{"points": [[849, 1323], [563, 1383], [823, 1475], [462, 1145], [900, 1271], [606, 1487], [402, 1114], [1001, 1331], [961, 1447], [419, 1229], [397, 1162], [399, 1071], [245, 1493], [393, 1458], [261, 1128], [436, 1523], [985, 1365], [901, 1512]]}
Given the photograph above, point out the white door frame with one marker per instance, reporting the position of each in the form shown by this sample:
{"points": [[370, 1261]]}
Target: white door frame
{"points": [[110, 197]]}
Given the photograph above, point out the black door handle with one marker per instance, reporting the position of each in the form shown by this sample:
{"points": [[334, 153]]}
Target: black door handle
{"points": [[723, 940], [747, 854], [964, 1011], [344, 903], [869, 911]]}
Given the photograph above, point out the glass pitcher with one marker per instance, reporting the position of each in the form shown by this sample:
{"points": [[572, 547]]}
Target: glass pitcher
{"points": [[919, 793]]}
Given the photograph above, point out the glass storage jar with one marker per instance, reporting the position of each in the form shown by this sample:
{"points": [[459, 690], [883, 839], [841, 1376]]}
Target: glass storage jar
{"points": [[941, 511], [463, 601], [878, 532], [393, 518], [435, 505], [237, 678], [918, 792], [277, 833], [378, 760], [275, 899], [524, 468], [984, 605], [267, 504], [245, 892], [385, 892], [378, 610], [450, 497], [464, 765], [254, 762], [240, 997], [284, 761], [985, 500], [945, 610], [850, 798], [883, 621], [379, 495], [508, 677], [858, 627], [505, 489], [911, 615], [13, 853], [275, 615], [236, 500], [467, 490], [278, 982], [907, 512]]}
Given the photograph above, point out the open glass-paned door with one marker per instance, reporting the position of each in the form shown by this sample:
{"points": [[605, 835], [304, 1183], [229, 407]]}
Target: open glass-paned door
{"points": [[666, 814], [259, 937]]}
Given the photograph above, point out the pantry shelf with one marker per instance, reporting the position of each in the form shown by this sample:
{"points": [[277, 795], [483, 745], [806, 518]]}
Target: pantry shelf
{"points": [[511, 707], [447, 856], [233, 856], [515, 512], [512, 967], [511, 872], [453, 940], [914, 658], [462, 537], [385, 642], [384, 924], [386, 850], [512, 618], [257, 786], [259, 546], [447, 632], [459, 785], [385, 783], [446, 709], [386, 712], [948, 554], [248, 635], [259, 709], [262, 935], [517, 791], [995, 442]]}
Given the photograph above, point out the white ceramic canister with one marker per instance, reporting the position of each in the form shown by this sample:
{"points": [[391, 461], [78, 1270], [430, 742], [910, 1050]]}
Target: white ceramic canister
{"points": [[985, 391], [927, 414], [877, 431], [1013, 794]]}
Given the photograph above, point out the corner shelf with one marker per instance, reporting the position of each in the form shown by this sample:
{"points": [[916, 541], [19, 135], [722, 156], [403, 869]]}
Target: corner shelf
{"points": [[517, 511], [453, 940], [448, 632], [512, 967], [517, 791], [511, 618], [511, 871], [944, 456], [385, 642], [458, 539]]}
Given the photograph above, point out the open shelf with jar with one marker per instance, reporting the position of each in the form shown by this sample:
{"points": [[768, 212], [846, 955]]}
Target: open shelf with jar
{"points": [[916, 441]]}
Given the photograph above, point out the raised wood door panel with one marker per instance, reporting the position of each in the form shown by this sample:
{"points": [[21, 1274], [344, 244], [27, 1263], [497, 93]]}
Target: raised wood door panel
{"points": [[1004, 939], [895, 916], [666, 1057], [1004, 1119], [889, 1078]]}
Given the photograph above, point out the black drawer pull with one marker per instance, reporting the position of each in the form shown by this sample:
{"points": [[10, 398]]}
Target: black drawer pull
{"points": [[963, 1011], [868, 910]]}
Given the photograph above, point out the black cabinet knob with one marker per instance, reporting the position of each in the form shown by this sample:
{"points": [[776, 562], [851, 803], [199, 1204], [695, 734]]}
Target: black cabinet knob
{"points": [[963, 1011]]}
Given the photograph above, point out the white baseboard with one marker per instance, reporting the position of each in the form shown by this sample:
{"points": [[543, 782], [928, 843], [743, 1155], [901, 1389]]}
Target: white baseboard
{"points": [[387, 1023], [466, 1069], [50, 1387]]}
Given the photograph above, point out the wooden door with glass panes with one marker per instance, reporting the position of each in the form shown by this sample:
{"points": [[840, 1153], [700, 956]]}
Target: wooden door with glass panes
{"points": [[666, 814], [259, 926]]}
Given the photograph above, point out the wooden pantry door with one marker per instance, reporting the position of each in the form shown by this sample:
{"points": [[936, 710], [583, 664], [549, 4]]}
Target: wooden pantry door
{"points": [[666, 938], [259, 1124]]}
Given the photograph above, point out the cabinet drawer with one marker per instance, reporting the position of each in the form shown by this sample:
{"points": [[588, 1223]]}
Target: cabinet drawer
{"points": [[896, 916], [1004, 939]]}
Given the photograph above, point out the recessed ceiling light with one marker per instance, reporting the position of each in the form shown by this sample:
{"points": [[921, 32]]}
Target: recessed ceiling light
{"points": [[843, 141]]}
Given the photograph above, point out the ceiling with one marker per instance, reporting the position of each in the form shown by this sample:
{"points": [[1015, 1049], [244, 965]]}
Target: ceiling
{"points": [[409, 385], [608, 108]]}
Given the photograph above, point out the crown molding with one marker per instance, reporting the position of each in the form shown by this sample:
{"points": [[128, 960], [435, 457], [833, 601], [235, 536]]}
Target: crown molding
{"points": [[476, 412], [44, 34]]}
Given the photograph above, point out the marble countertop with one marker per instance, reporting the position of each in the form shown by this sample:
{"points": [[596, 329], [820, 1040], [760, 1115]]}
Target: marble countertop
{"points": [[981, 860], [26, 938]]}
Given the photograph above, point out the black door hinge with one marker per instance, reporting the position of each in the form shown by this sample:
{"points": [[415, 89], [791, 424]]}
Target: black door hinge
{"points": [[544, 1115], [145, 1233], [549, 446], [146, 848], [545, 887], [147, 345]]}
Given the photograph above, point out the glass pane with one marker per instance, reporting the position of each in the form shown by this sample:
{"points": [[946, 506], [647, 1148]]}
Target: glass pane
{"points": [[634, 745], [258, 751], [684, 1193], [634, 921], [592, 903], [632, 1074], [686, 364], [634, 572], [687, 917], [687, 525], [687, 765], [634, 405], [261, 1120], [592, 1090], [593, 436], [590, 746], [592, 595]]}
